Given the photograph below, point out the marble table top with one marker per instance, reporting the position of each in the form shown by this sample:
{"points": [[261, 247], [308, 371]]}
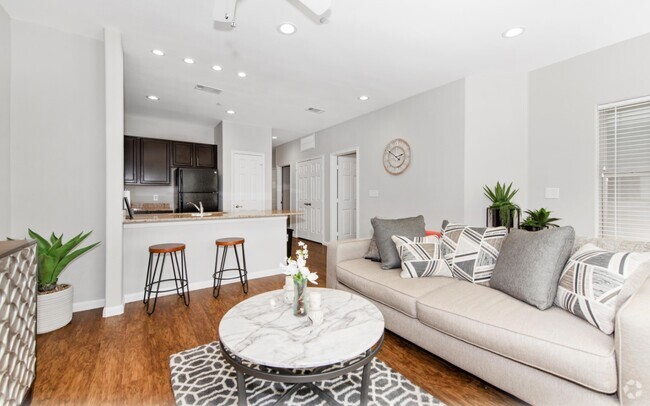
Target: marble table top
{"points": [[272, 336]]}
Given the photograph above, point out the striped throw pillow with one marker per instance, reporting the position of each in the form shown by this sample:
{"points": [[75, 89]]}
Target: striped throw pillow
{"points": [[595, 283], [420, 257]]}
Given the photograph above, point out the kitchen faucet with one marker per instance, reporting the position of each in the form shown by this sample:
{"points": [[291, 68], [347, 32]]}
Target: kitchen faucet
{"points": [[199, 208]]}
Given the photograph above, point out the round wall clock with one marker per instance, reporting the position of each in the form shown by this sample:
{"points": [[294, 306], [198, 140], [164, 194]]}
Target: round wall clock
{"points": [[397, 156]]}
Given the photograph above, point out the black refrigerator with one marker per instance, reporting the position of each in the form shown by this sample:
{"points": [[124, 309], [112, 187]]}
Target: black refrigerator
{"points": [[196, 185]]}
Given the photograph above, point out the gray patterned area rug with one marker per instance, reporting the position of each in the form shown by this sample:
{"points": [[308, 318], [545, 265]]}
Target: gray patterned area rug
{"points": [[201, 376]]}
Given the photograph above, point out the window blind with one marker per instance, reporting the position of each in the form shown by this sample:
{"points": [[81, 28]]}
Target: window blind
{"points": [[624, 162]]}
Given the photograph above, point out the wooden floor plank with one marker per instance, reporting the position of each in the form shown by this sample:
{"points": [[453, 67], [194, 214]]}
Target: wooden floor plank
{"points": [[125, 359]]}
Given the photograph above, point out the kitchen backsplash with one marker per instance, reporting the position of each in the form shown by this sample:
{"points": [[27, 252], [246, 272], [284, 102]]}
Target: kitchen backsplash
{"points": [[146, 194]]}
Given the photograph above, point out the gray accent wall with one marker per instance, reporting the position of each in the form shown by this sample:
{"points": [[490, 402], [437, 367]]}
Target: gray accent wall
{"points": [[58, 180], [5, 99], [563, 141], [433, 123]]}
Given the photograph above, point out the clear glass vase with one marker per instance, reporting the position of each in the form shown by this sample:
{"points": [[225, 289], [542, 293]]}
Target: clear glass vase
{"points": [[300, 298]]}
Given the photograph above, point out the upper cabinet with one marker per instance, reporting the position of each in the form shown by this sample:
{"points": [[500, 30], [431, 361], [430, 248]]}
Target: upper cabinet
{"points": [[154, 162], [148, 161], [205, 155], [131, 159]]}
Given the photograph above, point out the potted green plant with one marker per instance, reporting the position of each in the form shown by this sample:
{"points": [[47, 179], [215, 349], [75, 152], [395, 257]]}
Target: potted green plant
{"points": [[54, 300], [502, 211], [538, 220]]}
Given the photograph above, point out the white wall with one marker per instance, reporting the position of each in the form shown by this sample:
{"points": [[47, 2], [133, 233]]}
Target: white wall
{"points": [[433, 124], [156, 127], [562, 124], [248, 138], [496, 139], [57, 144], [5, 80]]}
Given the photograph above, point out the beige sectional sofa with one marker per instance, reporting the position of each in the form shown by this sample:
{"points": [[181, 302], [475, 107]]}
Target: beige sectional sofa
{"points": [[546, 357]]}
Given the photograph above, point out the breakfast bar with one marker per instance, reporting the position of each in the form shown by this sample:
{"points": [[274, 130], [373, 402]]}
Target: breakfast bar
{"points": [[264, 232]]}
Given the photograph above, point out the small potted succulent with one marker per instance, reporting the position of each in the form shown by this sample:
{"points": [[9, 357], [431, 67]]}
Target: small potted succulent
{"points": [[54, 300], [538, 220], [502, 211]]}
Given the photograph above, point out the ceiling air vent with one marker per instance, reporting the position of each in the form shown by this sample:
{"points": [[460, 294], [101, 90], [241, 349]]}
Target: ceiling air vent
{"points": [[315, 110], [208, 89]]}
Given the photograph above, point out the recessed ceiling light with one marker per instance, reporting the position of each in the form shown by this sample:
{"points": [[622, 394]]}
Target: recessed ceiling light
{"points": [[241, 74], [157, 52], [152, 97], [216, 67], [513, 32], [274, 137], [287, 28], [231, 112], [363, 98], [188, 60]]}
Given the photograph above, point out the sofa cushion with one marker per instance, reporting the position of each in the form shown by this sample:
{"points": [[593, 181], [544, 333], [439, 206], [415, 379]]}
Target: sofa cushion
{"points": [[386, 228], [386, 286], [595, 283], [471, 252], [420, 257], [553, 340]]}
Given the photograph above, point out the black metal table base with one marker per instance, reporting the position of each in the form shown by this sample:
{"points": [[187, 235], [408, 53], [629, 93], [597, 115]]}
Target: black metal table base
{"points": [[304, 379]]}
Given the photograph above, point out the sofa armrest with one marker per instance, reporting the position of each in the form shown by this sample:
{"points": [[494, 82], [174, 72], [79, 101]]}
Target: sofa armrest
{"points": [[633, 348], [339, 251]]}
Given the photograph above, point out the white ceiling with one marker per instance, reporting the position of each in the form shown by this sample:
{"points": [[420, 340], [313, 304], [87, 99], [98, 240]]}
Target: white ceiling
{"points": [[386, 49]]}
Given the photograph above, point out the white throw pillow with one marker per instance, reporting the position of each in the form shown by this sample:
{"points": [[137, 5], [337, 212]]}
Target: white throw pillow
{"points": [[595, 283], [420, 257]]}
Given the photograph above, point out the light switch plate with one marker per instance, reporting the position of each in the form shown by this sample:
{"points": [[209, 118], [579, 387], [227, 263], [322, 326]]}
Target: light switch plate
{"points": [[155, 198], [552, 193], [373, 193]]}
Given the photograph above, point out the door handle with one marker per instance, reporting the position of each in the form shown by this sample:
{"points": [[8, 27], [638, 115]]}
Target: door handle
{"points": [[238, 207], [307, 204]]}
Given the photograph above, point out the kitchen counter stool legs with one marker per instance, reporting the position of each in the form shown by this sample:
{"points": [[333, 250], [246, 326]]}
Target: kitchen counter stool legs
{"points": [[218, 277], [179, 269]]}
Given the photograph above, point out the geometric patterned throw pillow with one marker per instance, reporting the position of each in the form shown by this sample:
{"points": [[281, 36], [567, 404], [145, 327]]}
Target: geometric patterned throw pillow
{"points": [[593, 284], [471, 252], [420, 257]]}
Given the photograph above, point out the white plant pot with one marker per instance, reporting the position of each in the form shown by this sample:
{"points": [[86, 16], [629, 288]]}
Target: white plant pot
{"points": [[54, 310]]}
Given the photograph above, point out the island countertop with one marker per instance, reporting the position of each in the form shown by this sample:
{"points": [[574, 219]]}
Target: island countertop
{"points": [[221, 215]]}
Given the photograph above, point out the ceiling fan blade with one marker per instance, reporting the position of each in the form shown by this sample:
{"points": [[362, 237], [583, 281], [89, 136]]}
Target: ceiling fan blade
{"points": [[317, 7]]}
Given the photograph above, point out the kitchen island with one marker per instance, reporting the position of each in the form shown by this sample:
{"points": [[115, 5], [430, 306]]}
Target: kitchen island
{"points": [[264, 231]]}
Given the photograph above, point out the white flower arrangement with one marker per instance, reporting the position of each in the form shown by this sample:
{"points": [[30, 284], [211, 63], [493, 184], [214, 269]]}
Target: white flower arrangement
{"points": [[297, 268]]}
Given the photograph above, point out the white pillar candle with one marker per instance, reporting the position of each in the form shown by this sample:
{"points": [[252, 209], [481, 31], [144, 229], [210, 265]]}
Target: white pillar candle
{"points": [[288, 282], [315, 300]]}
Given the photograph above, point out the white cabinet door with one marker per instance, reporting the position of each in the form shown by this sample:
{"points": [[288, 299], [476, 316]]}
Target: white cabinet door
{"points": [[247, 181], [309, 199], [346, 198]]}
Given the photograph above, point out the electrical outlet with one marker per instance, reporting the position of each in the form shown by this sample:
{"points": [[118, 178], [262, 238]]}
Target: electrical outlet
{"points": [[373, 193], [155, 198]]}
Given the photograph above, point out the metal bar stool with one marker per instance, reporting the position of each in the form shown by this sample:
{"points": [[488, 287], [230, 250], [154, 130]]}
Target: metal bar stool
{"points": [[218, 273], [181, 282]]}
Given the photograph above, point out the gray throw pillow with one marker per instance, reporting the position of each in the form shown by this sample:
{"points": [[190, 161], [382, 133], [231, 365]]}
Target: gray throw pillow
{"points": [[530, 263], [373, 252], [385, 229]]}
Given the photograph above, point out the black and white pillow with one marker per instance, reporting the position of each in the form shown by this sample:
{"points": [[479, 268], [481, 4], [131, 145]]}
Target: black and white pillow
{"points": [[471, 252], [420, 257], [595, 283]]}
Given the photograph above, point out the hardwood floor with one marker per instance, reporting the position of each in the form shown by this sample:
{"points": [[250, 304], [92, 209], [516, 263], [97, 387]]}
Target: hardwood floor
{"points": [[125, 360]]}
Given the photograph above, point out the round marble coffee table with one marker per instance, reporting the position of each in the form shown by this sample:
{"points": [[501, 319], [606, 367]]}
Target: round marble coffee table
{"points": [[290, 349]]}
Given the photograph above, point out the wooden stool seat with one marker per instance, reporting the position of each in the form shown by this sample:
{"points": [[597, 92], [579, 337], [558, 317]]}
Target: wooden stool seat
{"points": [[166, 248], [229, 242]]}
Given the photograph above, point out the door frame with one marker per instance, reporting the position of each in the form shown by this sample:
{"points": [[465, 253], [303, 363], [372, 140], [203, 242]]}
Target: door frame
{"points": [[232, 176], [334, 215], [294, 192]]}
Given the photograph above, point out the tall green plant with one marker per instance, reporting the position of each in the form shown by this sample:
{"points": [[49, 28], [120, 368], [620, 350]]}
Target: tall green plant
{"points": [[55, 255], [501, 198]]}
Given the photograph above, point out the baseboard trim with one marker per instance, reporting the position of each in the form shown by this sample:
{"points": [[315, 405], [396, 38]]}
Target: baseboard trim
{"points": [[137, 297], [113, 311], [88, 305]]}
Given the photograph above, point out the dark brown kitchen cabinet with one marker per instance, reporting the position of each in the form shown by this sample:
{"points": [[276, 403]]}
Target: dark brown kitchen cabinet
{"points": [[182, 154], [155, 162], [205, 156], [131, 161]]}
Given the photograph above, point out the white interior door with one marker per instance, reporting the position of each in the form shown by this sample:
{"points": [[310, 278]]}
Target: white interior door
{"points": [[346, 197], [309, 199], [247, 181]]}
